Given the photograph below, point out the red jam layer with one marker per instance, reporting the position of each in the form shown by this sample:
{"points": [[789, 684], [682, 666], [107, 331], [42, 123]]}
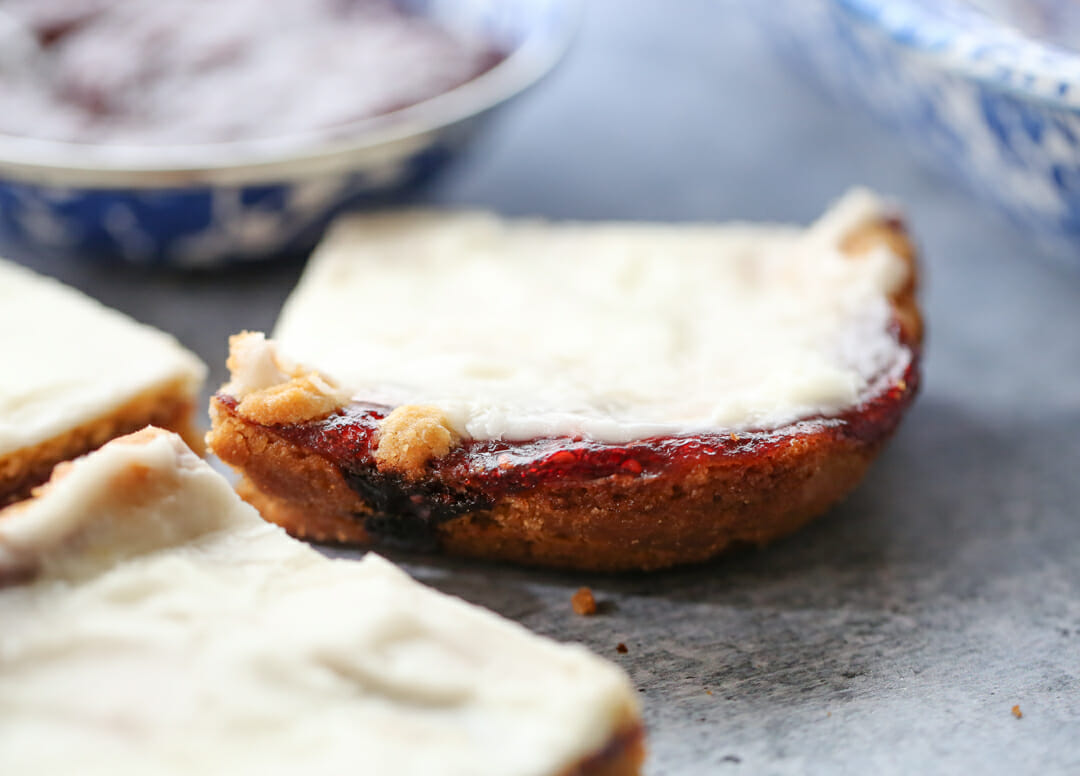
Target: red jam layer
{"points": [[478, 473]]}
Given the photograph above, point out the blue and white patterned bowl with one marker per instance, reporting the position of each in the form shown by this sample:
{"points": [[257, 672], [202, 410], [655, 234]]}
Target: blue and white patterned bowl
{"points": [[998, 107], [211, 204]]}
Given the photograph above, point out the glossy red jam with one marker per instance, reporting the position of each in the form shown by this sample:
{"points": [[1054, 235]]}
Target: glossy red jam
{"points": [[478, 473]]}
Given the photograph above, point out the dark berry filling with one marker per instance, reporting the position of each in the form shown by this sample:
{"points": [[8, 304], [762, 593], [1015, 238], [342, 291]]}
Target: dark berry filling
{"points": [[150, 73]]}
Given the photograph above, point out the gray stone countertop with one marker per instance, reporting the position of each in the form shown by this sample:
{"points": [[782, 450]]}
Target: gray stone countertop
{"points": [[894, 635]]}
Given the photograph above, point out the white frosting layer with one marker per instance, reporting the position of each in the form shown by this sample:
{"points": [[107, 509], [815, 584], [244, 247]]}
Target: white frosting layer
{"points": [[68, 360], [171, 631], [524, 329]]}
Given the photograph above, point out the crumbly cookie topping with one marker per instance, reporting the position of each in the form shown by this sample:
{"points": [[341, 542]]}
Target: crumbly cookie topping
{"points": [[412, 435]]}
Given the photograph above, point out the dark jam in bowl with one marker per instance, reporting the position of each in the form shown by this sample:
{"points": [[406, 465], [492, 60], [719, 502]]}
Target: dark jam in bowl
{"points": [[171, 72]]}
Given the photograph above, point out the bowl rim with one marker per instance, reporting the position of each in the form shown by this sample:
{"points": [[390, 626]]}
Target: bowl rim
{"points": [[292, 156], [973, 44]]}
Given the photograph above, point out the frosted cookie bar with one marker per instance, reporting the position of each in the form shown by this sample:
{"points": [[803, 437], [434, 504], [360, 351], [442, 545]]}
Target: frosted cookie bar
{"points": [[153, 623], [603, 396], [76, 374]]}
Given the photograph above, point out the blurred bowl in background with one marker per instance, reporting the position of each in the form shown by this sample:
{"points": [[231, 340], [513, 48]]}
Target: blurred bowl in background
{"points": [[248, 200], [984, 88]]}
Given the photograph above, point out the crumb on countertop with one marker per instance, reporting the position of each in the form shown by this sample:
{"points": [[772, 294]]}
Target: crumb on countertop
{"points": [[621, 648], [584, 602], [1016, 711]]}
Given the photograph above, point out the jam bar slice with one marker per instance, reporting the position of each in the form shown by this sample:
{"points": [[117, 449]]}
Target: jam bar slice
{"points": [[153, 623], [595, 396], [76, 374]]}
